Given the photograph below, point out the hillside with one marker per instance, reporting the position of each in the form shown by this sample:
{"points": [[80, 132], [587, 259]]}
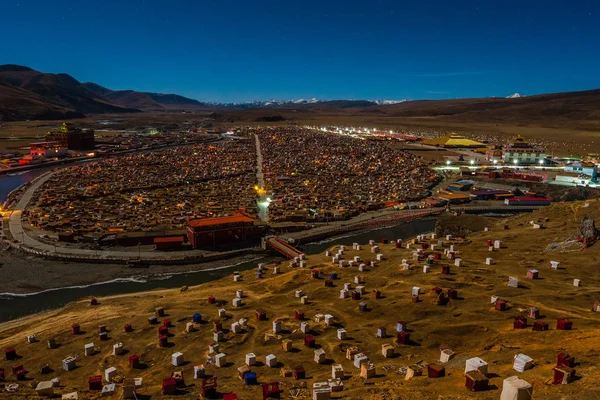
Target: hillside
{"points": [[145, 101], [571, 110], [469, 324], [20, 104], [546, 108], [29, 94]]}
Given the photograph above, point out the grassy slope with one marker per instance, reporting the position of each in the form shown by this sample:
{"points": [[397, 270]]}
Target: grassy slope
{"points": [[469, 326]]}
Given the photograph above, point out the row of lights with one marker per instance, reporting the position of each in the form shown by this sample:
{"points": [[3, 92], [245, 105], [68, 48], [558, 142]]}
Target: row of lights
{"points": [[472, 162], [351, 130]]}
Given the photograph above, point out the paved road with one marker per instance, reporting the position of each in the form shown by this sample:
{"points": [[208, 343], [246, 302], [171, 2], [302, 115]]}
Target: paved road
{"points": [[16, 229], [263, 205], [495, 208], [259, 161]]}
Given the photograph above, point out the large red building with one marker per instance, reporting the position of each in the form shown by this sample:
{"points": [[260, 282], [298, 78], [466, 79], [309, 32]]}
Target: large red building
{"points": [[72, 137], [210, 232]]}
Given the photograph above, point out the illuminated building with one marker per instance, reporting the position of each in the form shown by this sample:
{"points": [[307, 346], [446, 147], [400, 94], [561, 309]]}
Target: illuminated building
{"points": [[72, 137], [47, 149], [520, 152]]}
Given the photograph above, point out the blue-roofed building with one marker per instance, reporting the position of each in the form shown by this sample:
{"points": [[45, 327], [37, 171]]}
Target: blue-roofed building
{"points": [[579, 167], [461, 186], [250, 378]]}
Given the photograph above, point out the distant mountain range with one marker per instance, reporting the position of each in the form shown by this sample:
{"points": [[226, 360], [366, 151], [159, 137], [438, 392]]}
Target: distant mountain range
{"points": [[299, 102], [144, 101], [29, 94], [25, 94]]}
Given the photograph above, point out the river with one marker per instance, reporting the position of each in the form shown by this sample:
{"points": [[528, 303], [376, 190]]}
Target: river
{"points": [[10, 182]]}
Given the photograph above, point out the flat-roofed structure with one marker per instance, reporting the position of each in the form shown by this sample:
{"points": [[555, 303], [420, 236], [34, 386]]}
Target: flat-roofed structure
{"points": [[454, 197], [589, 169], [490, 194], [168, 243], [528, 201], [210, 232]]}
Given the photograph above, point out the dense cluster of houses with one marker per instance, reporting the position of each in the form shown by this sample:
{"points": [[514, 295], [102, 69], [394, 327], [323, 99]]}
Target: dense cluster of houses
{"points": [[150, 191], [320, 175]]}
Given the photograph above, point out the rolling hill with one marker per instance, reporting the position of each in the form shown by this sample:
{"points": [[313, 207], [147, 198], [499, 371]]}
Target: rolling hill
{"points": [[555, 109], [29, 94], [145, 101]]}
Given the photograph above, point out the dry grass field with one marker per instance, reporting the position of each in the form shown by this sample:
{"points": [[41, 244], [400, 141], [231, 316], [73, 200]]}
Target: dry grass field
{"points": [[562, 138], [469, 325]]}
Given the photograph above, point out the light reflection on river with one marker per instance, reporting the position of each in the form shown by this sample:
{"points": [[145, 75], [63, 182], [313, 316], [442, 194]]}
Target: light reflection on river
{"points": [[10, 182]]}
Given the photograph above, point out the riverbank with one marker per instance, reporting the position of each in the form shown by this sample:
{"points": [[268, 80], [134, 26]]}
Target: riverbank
{"points": [[26, 274], [22, 273]]}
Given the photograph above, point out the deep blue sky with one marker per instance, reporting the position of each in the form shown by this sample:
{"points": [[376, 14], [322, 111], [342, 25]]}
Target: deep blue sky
{"points": [[239, 50]]}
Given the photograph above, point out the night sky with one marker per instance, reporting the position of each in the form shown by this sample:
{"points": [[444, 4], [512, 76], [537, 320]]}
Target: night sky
{"points": [[240, 50]]}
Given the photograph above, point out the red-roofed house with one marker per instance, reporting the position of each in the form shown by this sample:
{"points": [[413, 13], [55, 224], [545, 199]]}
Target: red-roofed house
{"points": [[168, 243], [210, 232]]}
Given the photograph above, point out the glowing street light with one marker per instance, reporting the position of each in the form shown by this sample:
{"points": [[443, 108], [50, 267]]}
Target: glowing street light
{"points": [[472, 162], [516, 161], [495, 161], [448, 162], [542, 161]]}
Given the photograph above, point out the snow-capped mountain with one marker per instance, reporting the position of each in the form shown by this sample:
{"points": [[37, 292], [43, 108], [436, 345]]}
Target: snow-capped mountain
{"points": [[306, 101], [283, 102], [267, 103], [314, 100], [386, 102], [515, 96]]}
